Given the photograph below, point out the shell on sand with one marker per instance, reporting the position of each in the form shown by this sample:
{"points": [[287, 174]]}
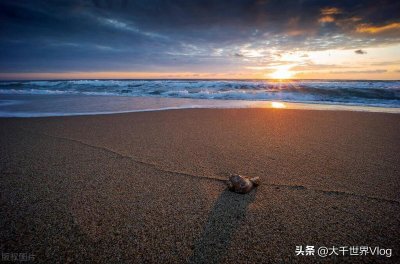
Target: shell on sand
{"points": [[242, 184]]}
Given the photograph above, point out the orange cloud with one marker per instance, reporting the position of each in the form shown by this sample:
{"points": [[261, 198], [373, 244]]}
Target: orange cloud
{"points": [[296, 32], [330, 11], [326, 19], [365, 28]]}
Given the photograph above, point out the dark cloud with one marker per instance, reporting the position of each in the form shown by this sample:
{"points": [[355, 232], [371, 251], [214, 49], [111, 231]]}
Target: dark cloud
{"points": [[72, 35], [360, 51]]}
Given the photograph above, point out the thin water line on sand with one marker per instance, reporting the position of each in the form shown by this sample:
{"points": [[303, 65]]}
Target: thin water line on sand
{"points": [[124, 156], [333, 192], [157, 167]]}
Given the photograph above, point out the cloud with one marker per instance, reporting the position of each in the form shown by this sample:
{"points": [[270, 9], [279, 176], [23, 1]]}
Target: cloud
{"points": [[330, 11], [360, 51], [326, 19], [328, 14], [386, 63], [370, 29], [83, 35], [308, 66], [358, 72]]}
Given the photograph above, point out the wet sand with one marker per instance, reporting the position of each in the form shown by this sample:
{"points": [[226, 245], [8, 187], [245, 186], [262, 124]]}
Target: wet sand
{"points": [[148, 187]]}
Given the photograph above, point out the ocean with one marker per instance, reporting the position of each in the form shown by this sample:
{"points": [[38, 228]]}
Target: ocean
{"points": [[73, 97]]}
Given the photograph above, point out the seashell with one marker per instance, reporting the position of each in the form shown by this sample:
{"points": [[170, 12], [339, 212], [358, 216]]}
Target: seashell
{"points": [[242, 184]]}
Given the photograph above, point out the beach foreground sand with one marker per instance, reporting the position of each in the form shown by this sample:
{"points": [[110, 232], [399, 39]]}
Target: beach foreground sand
{"points": [[148, 187]]}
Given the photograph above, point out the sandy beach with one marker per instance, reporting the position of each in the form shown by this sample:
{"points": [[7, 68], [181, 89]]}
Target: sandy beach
{"points": [[149, 187]]}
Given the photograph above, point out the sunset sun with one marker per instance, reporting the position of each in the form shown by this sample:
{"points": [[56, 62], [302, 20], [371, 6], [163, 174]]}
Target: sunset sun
{"points": [[282, 72]]}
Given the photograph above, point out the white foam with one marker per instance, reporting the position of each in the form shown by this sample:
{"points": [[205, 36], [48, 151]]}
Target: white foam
{"points": [[368, 93]]}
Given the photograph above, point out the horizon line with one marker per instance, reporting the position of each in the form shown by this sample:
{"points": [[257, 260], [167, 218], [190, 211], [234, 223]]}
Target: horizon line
{"points": [[199, 79]]}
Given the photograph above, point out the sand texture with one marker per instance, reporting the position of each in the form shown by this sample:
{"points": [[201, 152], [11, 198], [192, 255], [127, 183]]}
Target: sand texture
{"points": [[148, 187]]}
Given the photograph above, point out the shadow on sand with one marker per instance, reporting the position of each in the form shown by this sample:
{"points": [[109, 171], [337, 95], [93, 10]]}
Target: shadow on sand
{"points": [[225, 217]]}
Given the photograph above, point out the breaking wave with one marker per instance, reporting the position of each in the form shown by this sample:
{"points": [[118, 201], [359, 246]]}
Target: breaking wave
{"points": [[367, 93]]}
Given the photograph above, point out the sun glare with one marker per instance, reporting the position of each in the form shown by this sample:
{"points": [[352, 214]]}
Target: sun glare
{"points": [[282, 74], [278, 105]]}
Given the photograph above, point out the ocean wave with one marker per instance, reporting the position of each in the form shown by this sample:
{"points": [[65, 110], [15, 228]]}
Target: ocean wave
{"points": [[369, 93]]}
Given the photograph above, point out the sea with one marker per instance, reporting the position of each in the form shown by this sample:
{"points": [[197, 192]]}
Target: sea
{"points": [[88, 97]]}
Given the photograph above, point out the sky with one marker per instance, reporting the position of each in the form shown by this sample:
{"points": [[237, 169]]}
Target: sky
{"points": [[236, 39]]}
